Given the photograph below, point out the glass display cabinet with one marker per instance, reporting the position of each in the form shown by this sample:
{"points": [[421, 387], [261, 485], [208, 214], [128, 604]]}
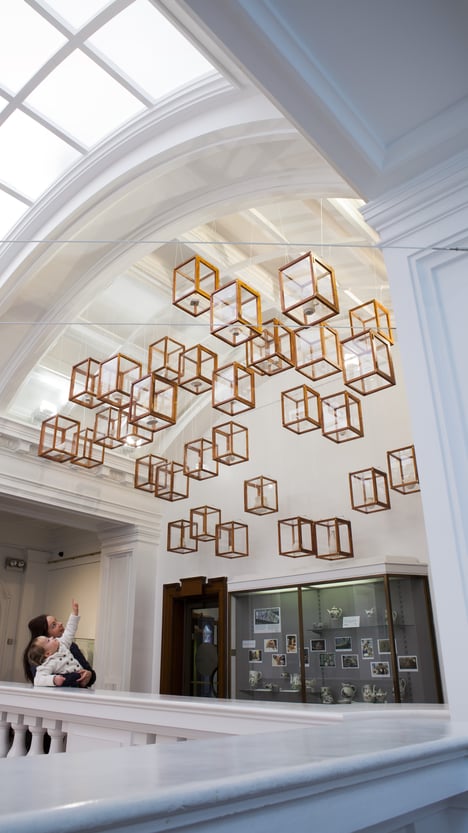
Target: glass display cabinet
{"points": [[361, 640]]}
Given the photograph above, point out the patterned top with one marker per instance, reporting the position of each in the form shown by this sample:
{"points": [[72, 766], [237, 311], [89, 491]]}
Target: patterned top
{"points": [[63, 660]]}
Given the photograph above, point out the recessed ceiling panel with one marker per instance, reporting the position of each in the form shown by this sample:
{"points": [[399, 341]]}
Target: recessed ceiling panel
{"points": [[27, 41]]}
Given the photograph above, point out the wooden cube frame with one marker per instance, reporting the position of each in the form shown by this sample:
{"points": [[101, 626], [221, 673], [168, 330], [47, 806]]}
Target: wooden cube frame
{"points": [[179, 537], [317, 352], [198, 459], [204, 520], [132, 434], [367, 363], [193, 283], [342, 417], [196, 368], [230, 443], [334, 539], [296, 537], [170, 482], [233, 389], [145, 472], [89, 454], [273, 351], [301, 409], [403, 470], [260, 495], [84, 383], [163, 358], [235, 313], [153, 402], [106, 428], [115, 380], [371, 315], [369, 490], [308, 290], [232, 540], [59, 438]]}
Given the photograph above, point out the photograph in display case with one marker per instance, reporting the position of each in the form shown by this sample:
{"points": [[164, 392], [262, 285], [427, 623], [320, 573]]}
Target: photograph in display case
{"points": [[343, 643], [270, 646], [327, 660], [318, 645], [279, 660], [350, 661], [306, 658], [380, 669], [291, 643], [267, 620], [367, 648], [384, 646], [408, 663], [255, 655]]}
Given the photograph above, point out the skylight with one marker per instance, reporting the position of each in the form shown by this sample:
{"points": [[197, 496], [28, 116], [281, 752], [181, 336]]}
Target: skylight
{"points": [[71, 74]]}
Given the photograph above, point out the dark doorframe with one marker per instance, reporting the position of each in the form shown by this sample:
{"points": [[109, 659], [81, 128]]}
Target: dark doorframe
{"points": [[178, 598]]}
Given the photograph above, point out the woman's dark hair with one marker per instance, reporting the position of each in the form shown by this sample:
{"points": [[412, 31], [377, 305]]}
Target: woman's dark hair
{"points": [[38, 627]]}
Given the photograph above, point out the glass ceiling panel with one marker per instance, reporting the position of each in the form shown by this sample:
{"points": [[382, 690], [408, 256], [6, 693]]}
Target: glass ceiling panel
{"points": [[149, 49], [11, 210], [27, 41], [77, 12], [31, 157], [84, 100]]}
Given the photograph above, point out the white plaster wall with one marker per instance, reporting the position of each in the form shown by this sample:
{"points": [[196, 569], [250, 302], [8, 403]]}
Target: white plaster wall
{"points": [[78, 579]]}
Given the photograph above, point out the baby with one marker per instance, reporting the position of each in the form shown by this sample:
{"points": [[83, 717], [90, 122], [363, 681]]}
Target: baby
{"points": [[52, 656]]}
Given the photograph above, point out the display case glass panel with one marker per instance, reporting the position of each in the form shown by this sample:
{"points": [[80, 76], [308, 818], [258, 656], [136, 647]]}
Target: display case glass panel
{"points": [[365, 640]]}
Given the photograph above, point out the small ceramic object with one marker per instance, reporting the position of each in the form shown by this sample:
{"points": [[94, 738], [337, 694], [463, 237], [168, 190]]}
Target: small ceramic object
{"points": [[348, 690], [335, 612], [370, 612], [254, 678], [368, 693], [326, 695], [380, 696], [295, 681]]}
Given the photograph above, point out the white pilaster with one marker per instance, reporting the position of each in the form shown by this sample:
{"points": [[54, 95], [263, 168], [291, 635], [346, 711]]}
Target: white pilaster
{"points": [[424, 232], [127, 650]]}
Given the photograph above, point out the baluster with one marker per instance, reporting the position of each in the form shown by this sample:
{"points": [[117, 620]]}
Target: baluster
{"points": [[37, 737], [5, 727], [57, 738], [18, 747]]}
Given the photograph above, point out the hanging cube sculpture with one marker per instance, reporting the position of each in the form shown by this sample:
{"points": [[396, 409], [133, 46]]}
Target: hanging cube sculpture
{"points": [[84, 383], [145, 472], [233, 389], [116, 376], [273, 350], [301, 409], [196, 368], [106, 428], [308, 290], [367, 364], [334, 539], [317, 352], [403, 470], [59, 438], [371, 316], [296, 537], [193, 283], [230, 443], [170, 482], [235, 313], [260, 495], [198, 459], [179, 537], [89, 454], [341, 417], [232, 540], [153, 402], [369, 490], [163, 358], [204, 520], [132, 434]]}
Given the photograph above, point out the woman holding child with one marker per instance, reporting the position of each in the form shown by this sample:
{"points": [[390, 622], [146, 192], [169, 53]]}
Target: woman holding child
{"points": [[52, 658]]}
